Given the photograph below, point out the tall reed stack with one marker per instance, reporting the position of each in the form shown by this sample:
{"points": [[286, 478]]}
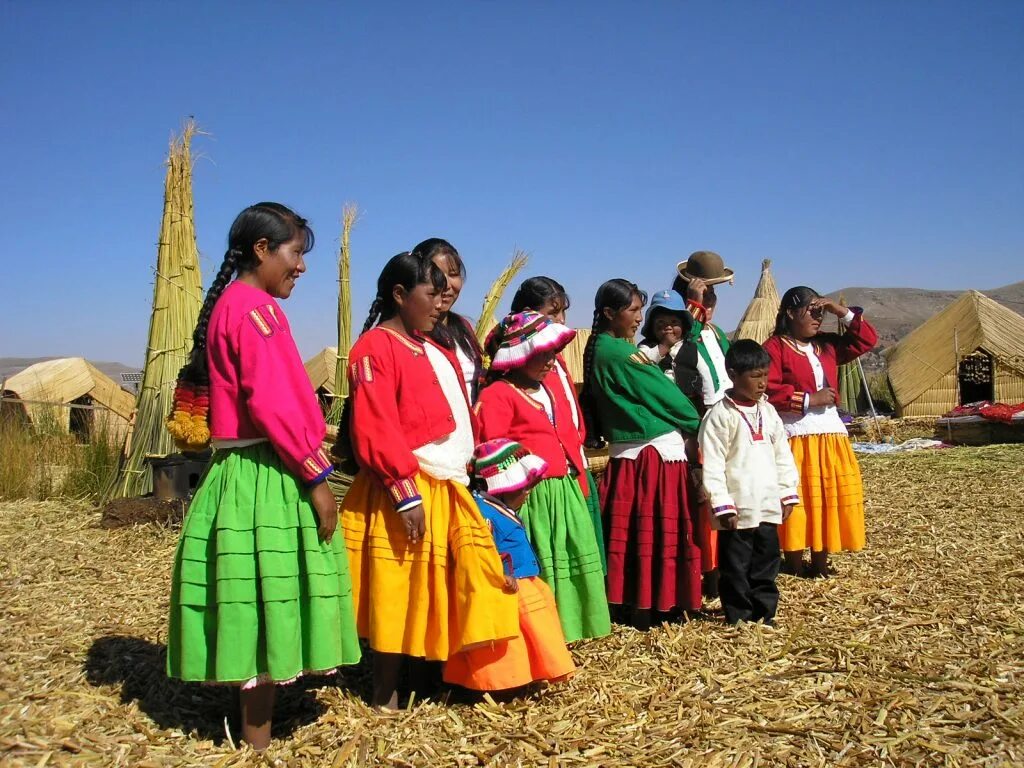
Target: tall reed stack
{"points": [[177, 298], [349, 214]]}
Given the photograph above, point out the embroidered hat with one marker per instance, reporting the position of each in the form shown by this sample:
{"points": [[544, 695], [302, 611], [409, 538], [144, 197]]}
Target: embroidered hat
{"points": [[707, 265], [506, 466], [521, 335], [666, 301]]}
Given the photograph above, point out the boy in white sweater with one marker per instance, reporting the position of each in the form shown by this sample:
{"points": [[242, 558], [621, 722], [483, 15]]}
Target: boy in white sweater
{"points": [[752, 481]]}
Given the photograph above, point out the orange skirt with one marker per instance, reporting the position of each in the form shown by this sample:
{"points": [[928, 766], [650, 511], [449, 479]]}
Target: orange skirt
{"points": [[830, 515], [434, 598], [539, 653]]}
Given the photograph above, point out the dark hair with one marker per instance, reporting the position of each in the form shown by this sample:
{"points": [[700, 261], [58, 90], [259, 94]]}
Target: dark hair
{"points": [[616, 294], [794, 298], [408, 270], [651, 341], [273, 222], [452, 330], [746, 355], [535, 292]]}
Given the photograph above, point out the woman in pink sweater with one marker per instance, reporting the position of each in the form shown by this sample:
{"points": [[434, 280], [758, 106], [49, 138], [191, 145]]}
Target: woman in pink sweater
{"points": [[261, 591]]}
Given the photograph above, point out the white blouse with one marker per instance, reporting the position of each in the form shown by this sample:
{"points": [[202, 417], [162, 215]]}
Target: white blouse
{"points": [[446, 459]]}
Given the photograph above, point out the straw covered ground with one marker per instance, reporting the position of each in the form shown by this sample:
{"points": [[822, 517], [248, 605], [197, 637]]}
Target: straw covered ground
{"points": [[912, 655]]}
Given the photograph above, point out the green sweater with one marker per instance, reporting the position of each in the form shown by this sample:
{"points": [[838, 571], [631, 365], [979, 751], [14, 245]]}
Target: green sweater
{"points": [[635, 400]]}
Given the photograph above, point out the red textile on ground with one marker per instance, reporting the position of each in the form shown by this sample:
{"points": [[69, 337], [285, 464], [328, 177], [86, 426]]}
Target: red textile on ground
{"points": [[653, 557], [1000, 412]]}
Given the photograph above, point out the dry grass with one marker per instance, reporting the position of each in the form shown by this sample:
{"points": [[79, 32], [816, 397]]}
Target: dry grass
{"points": [[912, 655]]}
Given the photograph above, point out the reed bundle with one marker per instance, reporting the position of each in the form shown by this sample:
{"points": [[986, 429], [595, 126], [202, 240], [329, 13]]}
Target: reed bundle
{"points": [[349, 215], [758, 321], [496, 291], [177, 298]]}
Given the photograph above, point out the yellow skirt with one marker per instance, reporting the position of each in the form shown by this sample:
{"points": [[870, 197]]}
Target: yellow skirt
{"points": [[830, 515], [539, 653], [434, 598]]}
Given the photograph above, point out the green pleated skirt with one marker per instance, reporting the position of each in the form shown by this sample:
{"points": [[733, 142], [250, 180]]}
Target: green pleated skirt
{"points": [[558, 524], [594, 507], [255, 595]]}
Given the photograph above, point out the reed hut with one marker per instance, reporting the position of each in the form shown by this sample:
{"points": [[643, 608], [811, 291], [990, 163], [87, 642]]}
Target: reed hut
{"points": [[71, 394], [177, 298], [970, 351], [758, 322], [322, 371]]}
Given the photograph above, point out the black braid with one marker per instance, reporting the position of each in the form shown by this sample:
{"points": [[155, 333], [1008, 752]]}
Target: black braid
{"points": [[197, 370], [591, 418], [374, 314]]}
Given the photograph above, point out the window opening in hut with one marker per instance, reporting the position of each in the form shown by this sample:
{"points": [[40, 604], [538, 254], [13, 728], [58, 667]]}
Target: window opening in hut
{"points": [[976, 376], [80, 419]]}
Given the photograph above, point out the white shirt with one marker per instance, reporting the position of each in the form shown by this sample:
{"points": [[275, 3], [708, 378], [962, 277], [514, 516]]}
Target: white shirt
{"points": [[671, 447], [821, 419], [655, 356], [748, 466], [570, 395], [468, 367], [446, 459], [541, 396], [712, 394]]}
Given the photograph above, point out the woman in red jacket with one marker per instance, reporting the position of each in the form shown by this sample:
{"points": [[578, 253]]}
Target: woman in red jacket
{"points": [[427, 581], [522, 405], [802, 385]]}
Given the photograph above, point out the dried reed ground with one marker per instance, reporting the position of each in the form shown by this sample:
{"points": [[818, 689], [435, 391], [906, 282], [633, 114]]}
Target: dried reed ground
{"points": [[914, 654]]}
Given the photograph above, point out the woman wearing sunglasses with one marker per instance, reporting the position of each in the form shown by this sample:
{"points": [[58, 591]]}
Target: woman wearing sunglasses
{"points": [[802, 385]]}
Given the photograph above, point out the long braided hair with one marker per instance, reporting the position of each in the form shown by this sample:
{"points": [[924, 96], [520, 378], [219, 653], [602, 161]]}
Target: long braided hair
{"points": [[614, 295], [273, 222]]}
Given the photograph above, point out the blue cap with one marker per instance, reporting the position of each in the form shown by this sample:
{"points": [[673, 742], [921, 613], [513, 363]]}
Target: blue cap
{"points": [[670, 301]]}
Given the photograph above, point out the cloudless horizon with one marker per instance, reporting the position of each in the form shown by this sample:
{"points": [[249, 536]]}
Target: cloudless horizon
{"points": [[863, 144]]}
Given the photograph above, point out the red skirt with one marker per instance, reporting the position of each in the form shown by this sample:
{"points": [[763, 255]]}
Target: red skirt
{"points": [[653, 557]]}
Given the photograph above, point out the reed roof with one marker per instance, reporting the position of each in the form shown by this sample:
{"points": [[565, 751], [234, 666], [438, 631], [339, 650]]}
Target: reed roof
{"points": [[67, 379], [971, 322]]}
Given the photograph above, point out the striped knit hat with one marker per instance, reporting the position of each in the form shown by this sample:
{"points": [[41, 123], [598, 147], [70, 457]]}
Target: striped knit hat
{"points": [[506, 466], [521, 335]]}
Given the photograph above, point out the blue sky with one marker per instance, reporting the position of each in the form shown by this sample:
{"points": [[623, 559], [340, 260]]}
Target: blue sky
{"points": [[859, 143]]}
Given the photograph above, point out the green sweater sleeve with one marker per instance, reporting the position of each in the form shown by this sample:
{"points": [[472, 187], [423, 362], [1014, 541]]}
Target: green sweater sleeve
{"points": [[637, 386]]}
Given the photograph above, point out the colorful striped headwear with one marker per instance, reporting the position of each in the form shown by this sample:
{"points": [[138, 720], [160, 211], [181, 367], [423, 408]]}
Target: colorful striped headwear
{"points": [[506, 466], [521, 335]]}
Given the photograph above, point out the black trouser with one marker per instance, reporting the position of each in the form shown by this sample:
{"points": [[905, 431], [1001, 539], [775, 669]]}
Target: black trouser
{"points": [[748, 561]]}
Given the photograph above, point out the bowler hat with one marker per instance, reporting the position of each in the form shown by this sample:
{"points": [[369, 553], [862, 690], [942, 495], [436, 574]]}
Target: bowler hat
{"points": [[706, 265]]}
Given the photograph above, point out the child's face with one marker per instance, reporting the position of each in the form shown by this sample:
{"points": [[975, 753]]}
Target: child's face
{"points": [[515, 501], [804, 322], [539, 366], [668, 328], [749, 385], [420, 308]]}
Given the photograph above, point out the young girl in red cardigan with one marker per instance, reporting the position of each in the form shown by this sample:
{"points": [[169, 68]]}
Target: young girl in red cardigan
{"points": [[520, 405], [427, 581], [547, 296], [802, 381]]}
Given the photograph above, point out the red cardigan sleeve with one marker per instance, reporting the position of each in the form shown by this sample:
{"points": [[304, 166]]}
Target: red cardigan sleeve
{"points": [[782, 393], [859, 339], [494, 414], [279, 396], [376, 434]]}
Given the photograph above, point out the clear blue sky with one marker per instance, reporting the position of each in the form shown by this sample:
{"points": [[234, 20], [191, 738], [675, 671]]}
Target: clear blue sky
{"points": [[864, 143]]}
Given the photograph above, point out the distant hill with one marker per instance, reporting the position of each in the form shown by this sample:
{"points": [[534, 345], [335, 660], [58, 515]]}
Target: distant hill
{"points": [[12, 365], [895, 312]]}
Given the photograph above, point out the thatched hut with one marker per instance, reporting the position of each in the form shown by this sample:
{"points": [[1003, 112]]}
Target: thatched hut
{"points": [[758, 322], [972, 350], [322, 370], [72, 395]]}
